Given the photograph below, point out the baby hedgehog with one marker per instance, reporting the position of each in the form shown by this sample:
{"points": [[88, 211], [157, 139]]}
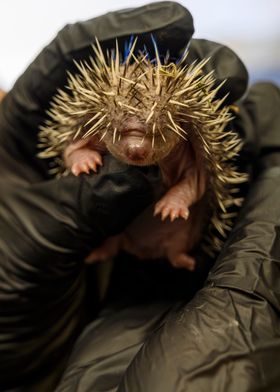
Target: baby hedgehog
{"points": [[152, 112]]}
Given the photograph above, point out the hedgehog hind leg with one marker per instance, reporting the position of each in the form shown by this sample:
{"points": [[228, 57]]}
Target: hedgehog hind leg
{"points": [[183, 260], [107, 250]]}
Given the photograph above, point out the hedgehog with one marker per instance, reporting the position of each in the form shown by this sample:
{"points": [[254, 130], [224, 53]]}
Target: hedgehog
{"points": [[147, 111]]}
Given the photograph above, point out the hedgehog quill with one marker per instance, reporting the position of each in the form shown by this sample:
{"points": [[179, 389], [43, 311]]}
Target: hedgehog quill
{"points": [[152, 112]]}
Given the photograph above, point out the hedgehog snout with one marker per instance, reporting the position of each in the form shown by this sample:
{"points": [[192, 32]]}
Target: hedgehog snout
{"points": [[136, 152]]}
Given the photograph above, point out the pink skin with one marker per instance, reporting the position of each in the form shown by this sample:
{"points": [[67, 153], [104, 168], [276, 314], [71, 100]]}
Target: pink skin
{"points": [[184, 177], [81, 157]]}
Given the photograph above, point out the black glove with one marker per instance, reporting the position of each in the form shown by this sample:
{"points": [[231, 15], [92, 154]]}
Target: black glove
{"points": [[47, 228], [227, 338], [48, 225]]}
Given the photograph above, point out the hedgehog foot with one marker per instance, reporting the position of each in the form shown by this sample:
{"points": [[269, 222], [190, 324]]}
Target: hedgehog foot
{"points": [[183, 260], [85, 160], [107, 250]]}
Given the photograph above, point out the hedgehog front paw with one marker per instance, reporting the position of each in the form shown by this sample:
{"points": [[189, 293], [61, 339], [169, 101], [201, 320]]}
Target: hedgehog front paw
{"points": [[84, 162], [171, 206]]}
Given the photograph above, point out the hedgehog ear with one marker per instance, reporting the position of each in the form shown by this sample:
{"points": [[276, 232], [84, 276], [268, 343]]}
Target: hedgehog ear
{"points": [[227, 66]]}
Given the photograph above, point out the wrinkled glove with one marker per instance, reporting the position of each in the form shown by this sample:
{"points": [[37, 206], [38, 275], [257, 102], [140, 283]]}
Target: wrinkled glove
{"points": [[47, 228], [227, 338], [49, 225]]}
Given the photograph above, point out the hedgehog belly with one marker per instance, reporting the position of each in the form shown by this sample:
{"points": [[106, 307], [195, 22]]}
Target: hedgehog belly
{"points": [[148, 237], [174, 225]]}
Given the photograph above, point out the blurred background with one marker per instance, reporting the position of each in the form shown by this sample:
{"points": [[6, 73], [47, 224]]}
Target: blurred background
{"points": [[250, 27]]}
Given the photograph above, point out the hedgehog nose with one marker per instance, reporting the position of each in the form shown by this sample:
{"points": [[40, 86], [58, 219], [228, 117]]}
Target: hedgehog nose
{"points": [[136, 153]]}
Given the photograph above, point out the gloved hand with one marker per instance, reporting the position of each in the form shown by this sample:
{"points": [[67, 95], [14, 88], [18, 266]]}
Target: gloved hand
{"points": [[49, 225], [227, 338], [47, 228]]}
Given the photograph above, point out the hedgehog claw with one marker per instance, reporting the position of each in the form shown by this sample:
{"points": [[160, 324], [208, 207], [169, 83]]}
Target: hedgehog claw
{"points": [[164, 213], [184, 213], [75, 172], [93, 166], [174, 215]]}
